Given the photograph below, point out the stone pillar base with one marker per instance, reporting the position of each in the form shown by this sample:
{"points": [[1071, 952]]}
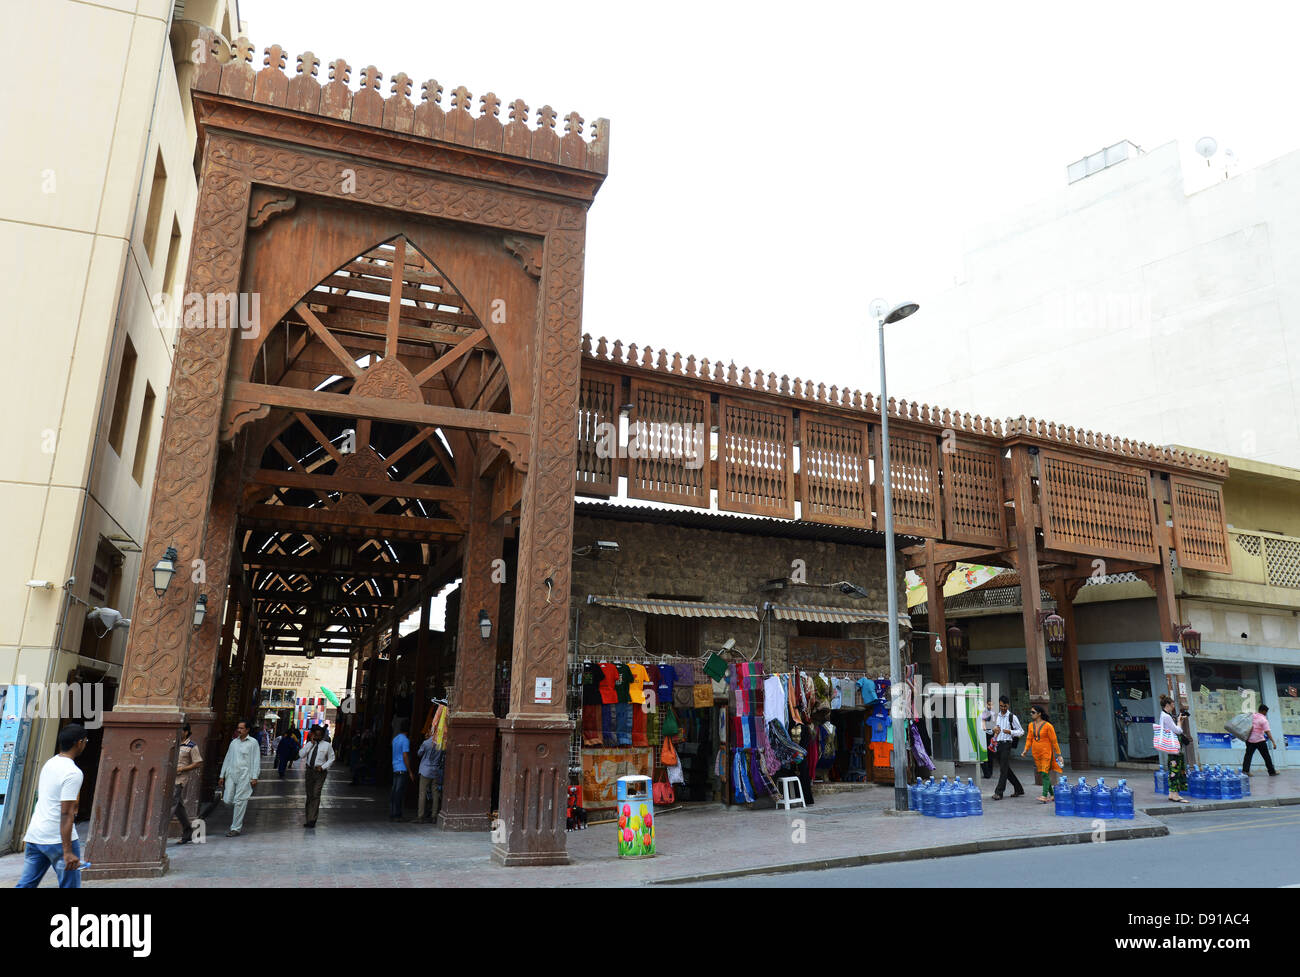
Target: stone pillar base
{"points": [[137, 767], [534, 789], [467, 774]]}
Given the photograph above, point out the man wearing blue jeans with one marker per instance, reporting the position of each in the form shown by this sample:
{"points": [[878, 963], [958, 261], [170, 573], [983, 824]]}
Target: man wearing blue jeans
{"points": [[401, 770], [51, 837]]}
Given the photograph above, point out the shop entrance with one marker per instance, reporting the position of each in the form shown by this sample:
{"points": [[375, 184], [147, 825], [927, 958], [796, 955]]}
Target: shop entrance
{"points": [[1018, 680], [1133, 710]]}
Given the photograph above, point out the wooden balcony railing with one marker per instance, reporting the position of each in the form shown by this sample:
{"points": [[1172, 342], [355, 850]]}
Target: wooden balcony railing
{"points": [[1265, 558]]}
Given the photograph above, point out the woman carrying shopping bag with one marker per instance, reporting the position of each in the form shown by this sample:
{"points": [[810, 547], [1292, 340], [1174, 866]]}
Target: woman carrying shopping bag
{"points": [[1041, 740], [1169, 738]]}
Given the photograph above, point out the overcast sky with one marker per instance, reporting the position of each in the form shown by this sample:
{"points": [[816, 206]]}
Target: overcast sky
{"points": [[774, 167]]}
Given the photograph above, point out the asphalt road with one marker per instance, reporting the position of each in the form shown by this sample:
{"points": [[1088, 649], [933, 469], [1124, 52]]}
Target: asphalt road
{"points": [[1256, 847]]}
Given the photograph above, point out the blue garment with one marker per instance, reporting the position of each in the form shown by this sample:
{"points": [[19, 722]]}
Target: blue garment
{"points": [[667, 678], [867, 689], [430, 759], [39, 858], [608, 736], [623, 711], [879, 728], [397, 795], [743, 790], [400, 745]]}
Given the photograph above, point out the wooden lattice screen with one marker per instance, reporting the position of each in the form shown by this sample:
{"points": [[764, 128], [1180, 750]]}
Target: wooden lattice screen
{"points": [[834, 475], [755, 459], [1200, 531], [1100, 510], [973, 494], [668, 445], [914, 476], [597, 472]]}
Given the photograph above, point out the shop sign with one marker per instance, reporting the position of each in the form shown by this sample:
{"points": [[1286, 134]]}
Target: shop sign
{"points": [[1214, 741]]}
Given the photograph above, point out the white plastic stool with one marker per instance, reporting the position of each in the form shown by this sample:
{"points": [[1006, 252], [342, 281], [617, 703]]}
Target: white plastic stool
{"points": [[785, 800]]}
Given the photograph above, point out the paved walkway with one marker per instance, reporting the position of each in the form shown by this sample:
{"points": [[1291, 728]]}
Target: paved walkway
{"points": [[355, 845]]}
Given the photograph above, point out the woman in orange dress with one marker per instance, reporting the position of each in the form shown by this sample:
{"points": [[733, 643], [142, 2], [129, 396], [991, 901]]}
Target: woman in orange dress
{"points": [[1040, 738]]}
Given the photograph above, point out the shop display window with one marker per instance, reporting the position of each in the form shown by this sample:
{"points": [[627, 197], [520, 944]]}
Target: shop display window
{"points": [[1288, 718], [1219, 691]]}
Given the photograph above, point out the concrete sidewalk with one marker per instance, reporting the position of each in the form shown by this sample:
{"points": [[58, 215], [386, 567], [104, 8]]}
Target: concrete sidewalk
{"points": [[354, 844]]}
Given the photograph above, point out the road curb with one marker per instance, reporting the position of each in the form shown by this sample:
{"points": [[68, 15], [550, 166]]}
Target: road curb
{"points": [[1191, 807], [919, 854]]}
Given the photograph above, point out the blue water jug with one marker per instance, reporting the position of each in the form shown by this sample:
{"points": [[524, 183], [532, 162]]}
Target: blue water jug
{"points": [[1064, 798], [960, 800], [943, 806], [913, 802], [1123, 798], [1082, 799], [1196, 782], [1161, 782], [1218, 788], [1237, 778], [1245, 786], [974, 803], [927, 799], [1103, 803]]}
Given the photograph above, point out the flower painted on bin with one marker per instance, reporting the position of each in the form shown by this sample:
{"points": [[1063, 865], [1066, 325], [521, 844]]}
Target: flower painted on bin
{"points": [[627, 835], [649, 820], [622, 822], [627, 810], [644, 810], [635, 824]]}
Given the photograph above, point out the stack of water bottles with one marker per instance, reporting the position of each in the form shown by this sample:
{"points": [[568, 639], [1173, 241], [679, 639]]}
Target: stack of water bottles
{"points": [[1082, 801], [944, 799], [1217, 783]]}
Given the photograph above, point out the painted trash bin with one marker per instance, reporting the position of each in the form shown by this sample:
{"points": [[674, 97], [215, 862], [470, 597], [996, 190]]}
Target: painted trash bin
{"points": [[636, 817]]}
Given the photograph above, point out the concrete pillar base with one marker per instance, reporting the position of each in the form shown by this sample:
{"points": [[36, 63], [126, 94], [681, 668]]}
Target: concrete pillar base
{"points": [[534, 787], [128, 830]]}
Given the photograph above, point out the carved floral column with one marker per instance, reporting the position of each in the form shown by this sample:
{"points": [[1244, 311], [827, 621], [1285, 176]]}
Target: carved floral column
{"points": [[535, 736], [137, 767]]}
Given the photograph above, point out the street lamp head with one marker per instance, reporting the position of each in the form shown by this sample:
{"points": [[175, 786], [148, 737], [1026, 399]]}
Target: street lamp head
{"points": [[900, 311]]}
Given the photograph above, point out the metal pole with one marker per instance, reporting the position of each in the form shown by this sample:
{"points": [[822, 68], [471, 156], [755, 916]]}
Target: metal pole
{"points": [[895, 668]]}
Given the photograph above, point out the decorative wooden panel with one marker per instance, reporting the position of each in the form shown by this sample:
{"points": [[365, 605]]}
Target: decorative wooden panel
{"points": [[972, 494], [1098, 510], [668, 445], [1200, 531], [834, 478], [755, 459], [914, 475], [598, 406]]}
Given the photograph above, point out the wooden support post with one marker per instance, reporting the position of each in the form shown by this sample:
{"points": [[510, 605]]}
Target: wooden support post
{"points": [[1064, 592], [1022, 468]]}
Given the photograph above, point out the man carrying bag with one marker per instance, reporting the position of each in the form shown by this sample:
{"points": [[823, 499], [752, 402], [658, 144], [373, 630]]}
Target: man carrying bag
{"points": [[1006, 734]]}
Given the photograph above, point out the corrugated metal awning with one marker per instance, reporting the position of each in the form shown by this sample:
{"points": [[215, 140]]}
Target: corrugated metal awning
{"points": [[823, 614], [676, 608]]}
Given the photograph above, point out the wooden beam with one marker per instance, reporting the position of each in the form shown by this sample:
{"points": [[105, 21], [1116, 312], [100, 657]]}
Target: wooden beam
{"points": [[361, 486], [325, 336], [341, 405], [450, 357], [349, 521]]}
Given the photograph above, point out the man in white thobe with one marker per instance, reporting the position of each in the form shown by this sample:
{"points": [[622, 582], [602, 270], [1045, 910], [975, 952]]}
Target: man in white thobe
{"points": [[239, 775]]}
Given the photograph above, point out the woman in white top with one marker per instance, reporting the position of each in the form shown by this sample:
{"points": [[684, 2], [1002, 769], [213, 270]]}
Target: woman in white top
{"points": [[1177, 762]]}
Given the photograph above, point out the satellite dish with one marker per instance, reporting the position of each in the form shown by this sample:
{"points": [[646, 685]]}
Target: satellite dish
{"points": [[1207, 146]]}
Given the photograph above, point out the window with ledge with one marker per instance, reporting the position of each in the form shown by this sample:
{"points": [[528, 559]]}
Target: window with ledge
{"points": [[142, 436], [122, 399], [169, 275], [154, 214]]}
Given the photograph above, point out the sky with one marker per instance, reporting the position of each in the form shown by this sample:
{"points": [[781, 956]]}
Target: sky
{"points": [[774, 167]]}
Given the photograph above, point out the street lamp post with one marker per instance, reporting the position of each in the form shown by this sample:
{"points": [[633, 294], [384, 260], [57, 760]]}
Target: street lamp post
{"points": [[883, 318]]}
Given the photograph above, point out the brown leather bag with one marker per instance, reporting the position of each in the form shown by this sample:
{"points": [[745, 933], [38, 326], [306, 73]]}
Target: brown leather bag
{"points": [[668, 755]]}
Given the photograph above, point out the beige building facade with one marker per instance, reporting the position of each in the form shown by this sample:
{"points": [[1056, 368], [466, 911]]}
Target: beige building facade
{"points": [[96, 210]]}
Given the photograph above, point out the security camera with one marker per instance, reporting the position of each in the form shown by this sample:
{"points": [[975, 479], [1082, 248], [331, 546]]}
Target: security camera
{"points": [[606, 545], [109, 619], [729, 644]]}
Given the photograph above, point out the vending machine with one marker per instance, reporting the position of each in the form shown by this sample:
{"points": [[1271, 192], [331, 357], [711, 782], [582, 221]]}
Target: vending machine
{"points": [[15, 731]]}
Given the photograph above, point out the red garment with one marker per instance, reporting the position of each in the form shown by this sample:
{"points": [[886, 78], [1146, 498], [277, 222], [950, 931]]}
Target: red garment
{"points": [[638, 726], [591, 726], [608, 693]]}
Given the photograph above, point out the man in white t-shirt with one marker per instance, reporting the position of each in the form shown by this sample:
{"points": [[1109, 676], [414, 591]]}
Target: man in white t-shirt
{"points": [[51, 838]]}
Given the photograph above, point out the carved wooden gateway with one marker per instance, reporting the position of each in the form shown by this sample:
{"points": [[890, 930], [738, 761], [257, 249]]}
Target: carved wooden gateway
{"points": [[379, 366]]}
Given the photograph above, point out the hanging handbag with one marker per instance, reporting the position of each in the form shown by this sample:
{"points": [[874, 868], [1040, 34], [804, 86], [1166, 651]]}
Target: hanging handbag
{"points": [[668, 755], [663, 791], [703, 697], [670, 727], [1164, 740]]}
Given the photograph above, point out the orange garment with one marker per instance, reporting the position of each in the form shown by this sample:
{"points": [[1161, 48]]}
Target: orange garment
{"points": [[1040, 740]]}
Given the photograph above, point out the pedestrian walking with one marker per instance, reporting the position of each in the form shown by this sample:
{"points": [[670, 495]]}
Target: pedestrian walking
{"points": [[986, 730], [286, 751], [1176, 763], [51, 838], [187, 759], [401, 770], [1006, 734], [239, 774], [319, 757], [1255, 742], [1041, 742]]}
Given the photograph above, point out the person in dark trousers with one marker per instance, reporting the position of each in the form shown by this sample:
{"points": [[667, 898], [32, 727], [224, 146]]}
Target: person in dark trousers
{"points": [[286, 750], [51, 838], [317, 757], [1006, 733], [1255, 742], [401, 770], [986, 730], [187, 760]]}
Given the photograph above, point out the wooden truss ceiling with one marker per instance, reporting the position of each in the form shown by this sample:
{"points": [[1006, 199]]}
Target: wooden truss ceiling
{"points": [[340, 518]]}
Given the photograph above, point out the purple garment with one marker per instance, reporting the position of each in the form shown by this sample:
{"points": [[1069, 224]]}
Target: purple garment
{"points": [[918, 749]]}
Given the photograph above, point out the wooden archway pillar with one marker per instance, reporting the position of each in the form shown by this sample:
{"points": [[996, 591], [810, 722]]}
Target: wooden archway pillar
{"points": [[1023, 471], [472, 725], [1064, 592]]}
